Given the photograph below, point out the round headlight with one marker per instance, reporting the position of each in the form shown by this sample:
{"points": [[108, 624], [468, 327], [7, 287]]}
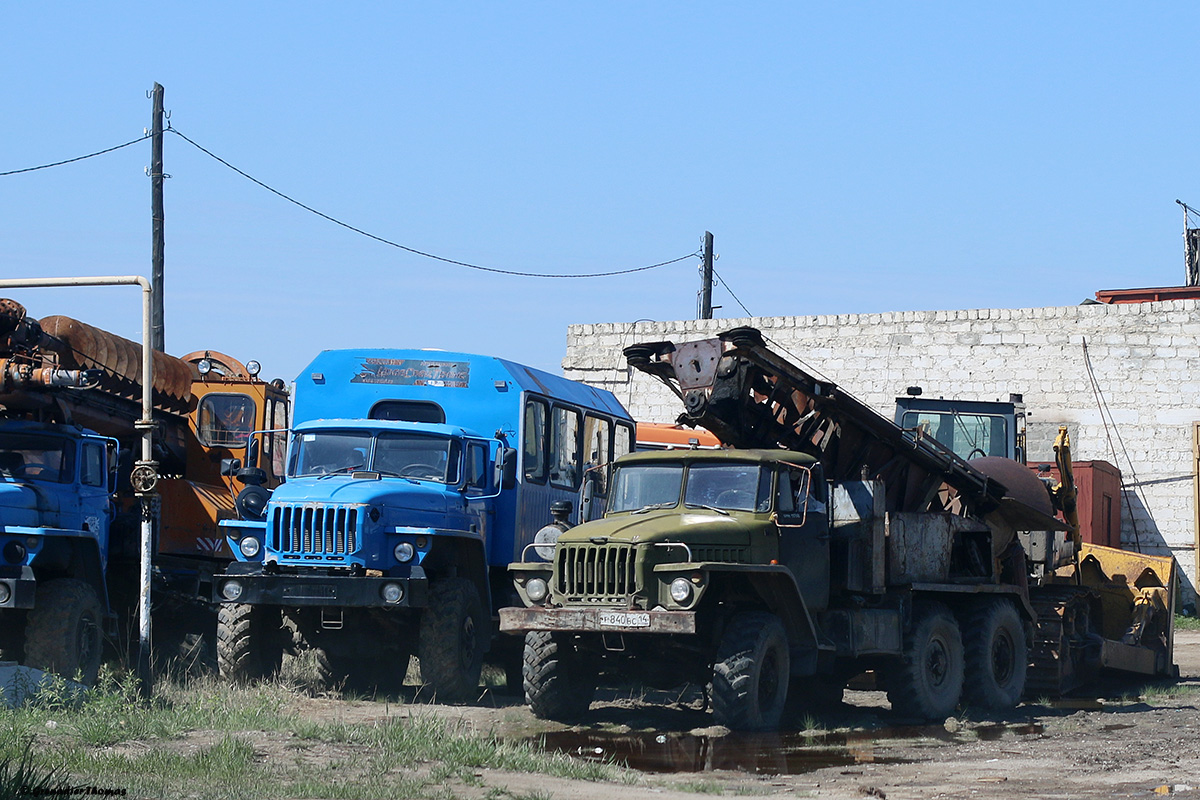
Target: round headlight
{"points": [[5, 593], [231, 590], [404, 552], [14, 552], [249, 546], [681, 590], [392, 593], [253, 367], [204, 366], [536, 589], [547, 536]]}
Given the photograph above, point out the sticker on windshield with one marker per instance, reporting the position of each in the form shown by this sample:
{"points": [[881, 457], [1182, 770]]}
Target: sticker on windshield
{"points": [[414, 372]]}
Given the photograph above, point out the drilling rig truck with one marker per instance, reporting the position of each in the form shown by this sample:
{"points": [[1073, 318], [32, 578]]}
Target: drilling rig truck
{"points": [[825, 541], [69, 509]]}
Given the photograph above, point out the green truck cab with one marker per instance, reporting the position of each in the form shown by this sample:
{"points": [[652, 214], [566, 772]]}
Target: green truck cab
{"points": [[707, 567]]}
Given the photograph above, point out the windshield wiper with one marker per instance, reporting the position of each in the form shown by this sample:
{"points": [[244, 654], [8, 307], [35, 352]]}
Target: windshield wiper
{"points": [[653, 506], [339, 471], [710, 508]]}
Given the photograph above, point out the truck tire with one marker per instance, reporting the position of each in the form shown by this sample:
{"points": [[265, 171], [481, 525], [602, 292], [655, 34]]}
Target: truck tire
{"points": [[927, 681], [249, 642], [304, 659], [996, 656], [751, 673], [452, 640], [557, 685], [64, 630]]}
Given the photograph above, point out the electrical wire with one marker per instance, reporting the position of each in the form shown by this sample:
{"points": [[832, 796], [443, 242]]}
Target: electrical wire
{"points": [[77, 158], [1102, 405], [725, 283], [413, 250]]}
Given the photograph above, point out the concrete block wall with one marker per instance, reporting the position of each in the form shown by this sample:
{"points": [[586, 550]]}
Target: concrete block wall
{"points": [[1144, 372]]}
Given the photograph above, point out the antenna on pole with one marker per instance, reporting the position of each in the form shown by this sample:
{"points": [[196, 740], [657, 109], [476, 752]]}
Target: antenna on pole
{"points": [[157, 334]]}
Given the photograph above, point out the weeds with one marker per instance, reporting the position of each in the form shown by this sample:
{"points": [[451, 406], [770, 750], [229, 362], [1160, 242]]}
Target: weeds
{"points": [[20, 776], [204, 739]]}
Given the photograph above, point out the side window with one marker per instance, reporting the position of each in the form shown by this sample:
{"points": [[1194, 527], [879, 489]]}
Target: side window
{"points": [[92, 473], [477, 467], [534, 441], [597, 447], [225, 420], [623, 443], [564, 447], [276, 443]]}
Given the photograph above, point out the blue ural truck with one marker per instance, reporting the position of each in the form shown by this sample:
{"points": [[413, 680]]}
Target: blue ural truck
{"points": [[414, 478]]}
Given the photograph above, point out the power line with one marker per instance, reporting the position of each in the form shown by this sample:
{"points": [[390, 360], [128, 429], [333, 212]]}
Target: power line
{"points": [[731, 294], [412, 250], [142, 138]]}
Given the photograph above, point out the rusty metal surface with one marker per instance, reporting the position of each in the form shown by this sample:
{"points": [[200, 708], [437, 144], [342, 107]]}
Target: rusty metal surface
{"points": [[82, 346]]}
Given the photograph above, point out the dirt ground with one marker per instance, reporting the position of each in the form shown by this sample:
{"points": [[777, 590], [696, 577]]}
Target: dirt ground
{"points": [[1105, 745]]}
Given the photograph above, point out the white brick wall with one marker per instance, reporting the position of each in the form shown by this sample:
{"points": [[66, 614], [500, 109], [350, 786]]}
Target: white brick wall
{"points": [[1146, 360]]}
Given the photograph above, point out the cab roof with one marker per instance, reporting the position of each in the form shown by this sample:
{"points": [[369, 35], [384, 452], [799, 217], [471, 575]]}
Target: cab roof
{"points": [[763, 456]]}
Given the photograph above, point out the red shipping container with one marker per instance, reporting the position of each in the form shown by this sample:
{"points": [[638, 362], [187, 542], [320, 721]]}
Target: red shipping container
{"points": [[1099, 486]]}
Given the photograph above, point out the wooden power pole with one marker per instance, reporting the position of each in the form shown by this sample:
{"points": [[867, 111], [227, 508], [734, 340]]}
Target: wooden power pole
{"points": [[706, 277], [156, 212]]}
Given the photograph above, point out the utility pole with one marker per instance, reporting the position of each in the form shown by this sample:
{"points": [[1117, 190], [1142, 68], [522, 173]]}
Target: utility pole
{"points": [[157, 337], [706, 277]]}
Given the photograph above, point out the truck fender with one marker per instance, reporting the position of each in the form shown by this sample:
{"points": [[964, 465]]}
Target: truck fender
{"points": [[776, 588]]}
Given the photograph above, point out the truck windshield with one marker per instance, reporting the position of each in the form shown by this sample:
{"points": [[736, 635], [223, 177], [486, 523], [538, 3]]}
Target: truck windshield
{"points": [[645, 486], [428, 458], [968, 435], [734, 487], [327, 452], [725, 486], [39, 458]]}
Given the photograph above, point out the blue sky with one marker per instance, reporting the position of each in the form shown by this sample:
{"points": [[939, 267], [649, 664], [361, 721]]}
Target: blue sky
{"points": [[849, 158]]}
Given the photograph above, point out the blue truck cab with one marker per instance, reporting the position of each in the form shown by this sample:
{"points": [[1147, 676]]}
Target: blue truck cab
{"points": [[414, 478], [56, 513]]}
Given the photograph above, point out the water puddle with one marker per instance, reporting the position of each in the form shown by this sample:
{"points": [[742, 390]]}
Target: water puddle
{"points": [[763, 753]]}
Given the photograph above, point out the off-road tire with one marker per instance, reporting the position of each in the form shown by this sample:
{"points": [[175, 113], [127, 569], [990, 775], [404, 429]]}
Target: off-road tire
{"points": [[996, 656], [300, 641], [452, 640], [64, 632], [751, 673], [927, 681], [557, 684], [249, 642]]}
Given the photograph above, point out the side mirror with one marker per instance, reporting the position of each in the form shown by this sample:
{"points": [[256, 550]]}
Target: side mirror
{"points": [[252, 452], [506, 468], [230, 467]]}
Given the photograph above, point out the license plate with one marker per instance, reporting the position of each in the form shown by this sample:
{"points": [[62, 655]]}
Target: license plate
{"points": [[625, 619]]}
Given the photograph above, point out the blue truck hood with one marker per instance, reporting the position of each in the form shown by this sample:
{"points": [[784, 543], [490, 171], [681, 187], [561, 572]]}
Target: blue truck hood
{"points": [[26, 504], [395, 493]]}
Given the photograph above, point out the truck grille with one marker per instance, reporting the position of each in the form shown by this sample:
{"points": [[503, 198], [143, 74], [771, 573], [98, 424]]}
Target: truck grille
{"points": [[595, 571], [306, 530]]}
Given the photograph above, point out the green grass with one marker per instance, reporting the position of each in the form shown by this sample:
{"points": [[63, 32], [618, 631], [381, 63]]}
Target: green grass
{"points": [[1183, 623], [203, 739]]}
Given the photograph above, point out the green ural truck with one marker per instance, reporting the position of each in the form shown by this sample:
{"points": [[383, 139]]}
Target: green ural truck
{"points": [[826, 542]]}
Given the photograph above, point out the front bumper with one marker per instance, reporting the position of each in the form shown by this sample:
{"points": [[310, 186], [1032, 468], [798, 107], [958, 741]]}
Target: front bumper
{"points": [[596, 620], [322, 590], [21, 585]]}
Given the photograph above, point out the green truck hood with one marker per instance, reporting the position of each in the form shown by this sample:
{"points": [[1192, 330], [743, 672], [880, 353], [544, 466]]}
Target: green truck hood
{"points": [[692, 526]]}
